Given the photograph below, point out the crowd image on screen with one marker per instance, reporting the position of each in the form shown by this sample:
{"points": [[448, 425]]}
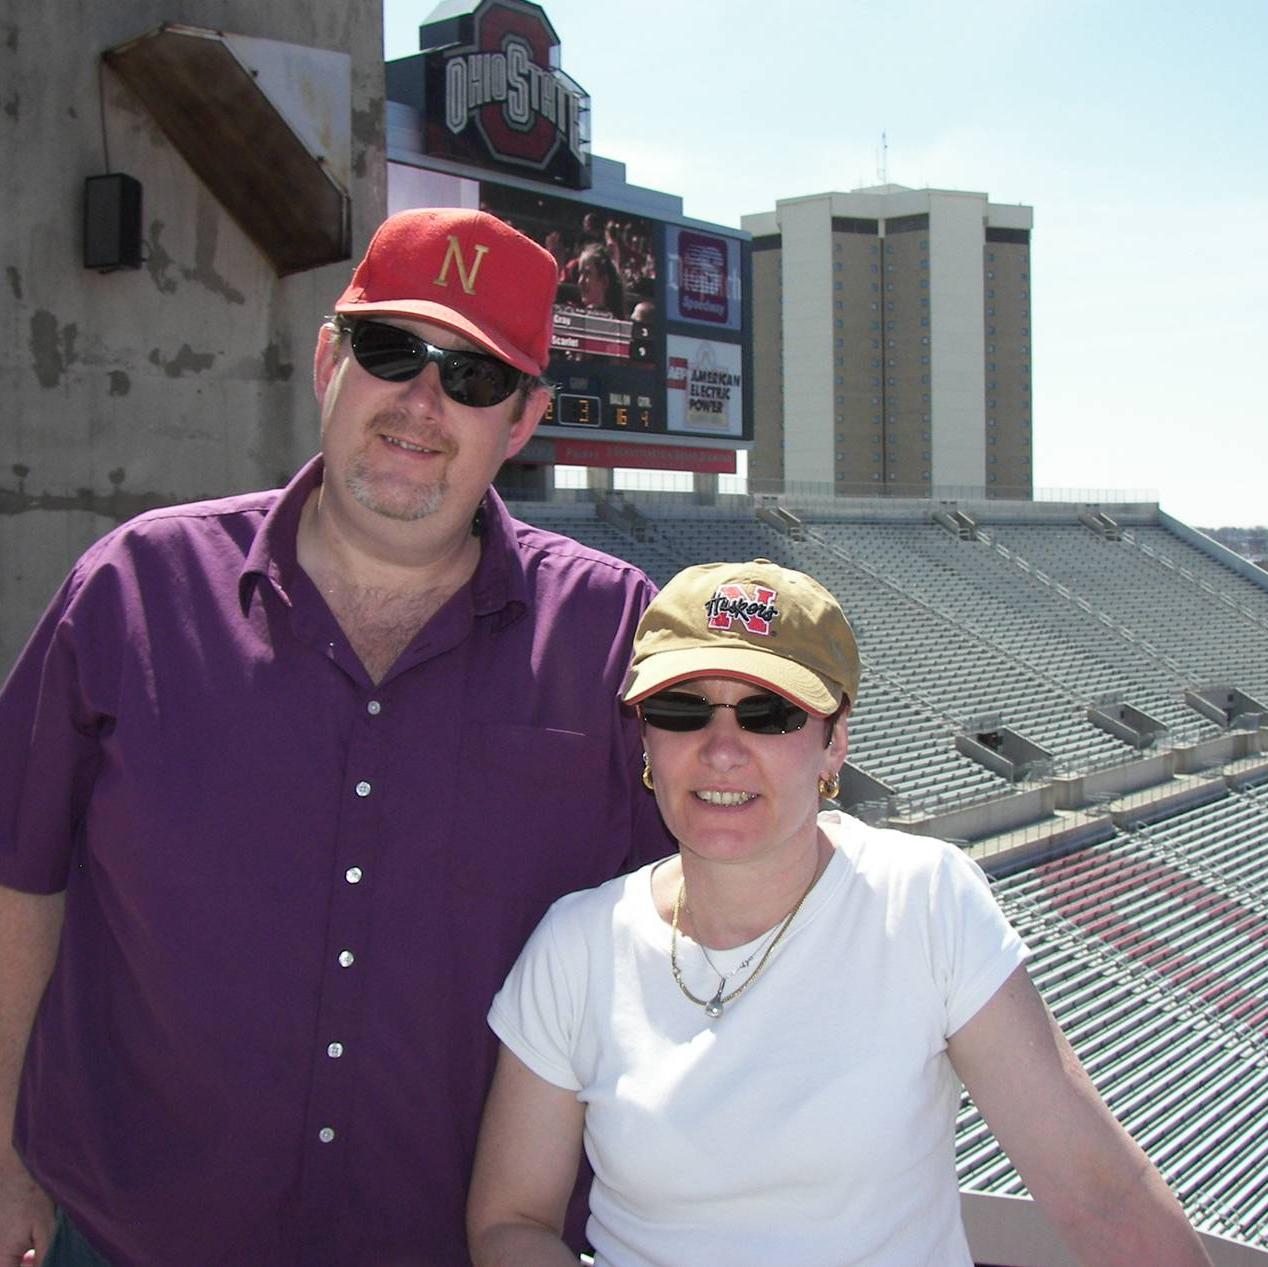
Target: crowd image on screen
{"points": [[607, 264]]}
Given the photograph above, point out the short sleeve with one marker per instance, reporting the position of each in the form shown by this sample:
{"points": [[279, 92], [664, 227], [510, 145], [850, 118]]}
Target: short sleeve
{"points": [[975, 948], [48, 753], [537, 1010]]}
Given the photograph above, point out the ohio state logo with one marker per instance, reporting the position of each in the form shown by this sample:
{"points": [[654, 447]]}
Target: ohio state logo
{"points": [[506, 84], [752, 605]]}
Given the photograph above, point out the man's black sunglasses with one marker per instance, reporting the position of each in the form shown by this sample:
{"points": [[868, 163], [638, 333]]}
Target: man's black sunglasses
{"points": [[764, 714], [396, 355]]}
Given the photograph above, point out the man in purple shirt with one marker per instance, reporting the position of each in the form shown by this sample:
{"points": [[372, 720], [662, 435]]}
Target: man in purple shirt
{"points": [[286, 780]]}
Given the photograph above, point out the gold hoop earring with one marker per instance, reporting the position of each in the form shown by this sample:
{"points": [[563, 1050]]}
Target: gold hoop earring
{"points": [[829, 789], [647, 773]]}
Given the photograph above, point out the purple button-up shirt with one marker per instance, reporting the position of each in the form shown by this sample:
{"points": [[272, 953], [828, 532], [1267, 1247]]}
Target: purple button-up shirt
{"points": [[291, 893]]}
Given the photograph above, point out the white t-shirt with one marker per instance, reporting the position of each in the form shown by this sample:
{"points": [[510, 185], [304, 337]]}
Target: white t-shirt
{"points": [[812, 1124]]}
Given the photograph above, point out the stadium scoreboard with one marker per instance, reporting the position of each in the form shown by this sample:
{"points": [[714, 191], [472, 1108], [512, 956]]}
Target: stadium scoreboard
{"points": [[649, 325]]}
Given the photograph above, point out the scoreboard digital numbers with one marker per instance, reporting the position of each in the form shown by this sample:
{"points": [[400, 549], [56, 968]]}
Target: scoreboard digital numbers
{"points": [[620, 411], [572, 410]]}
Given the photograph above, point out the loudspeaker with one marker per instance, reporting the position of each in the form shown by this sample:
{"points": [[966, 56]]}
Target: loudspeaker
{"points": [[112, 222]]}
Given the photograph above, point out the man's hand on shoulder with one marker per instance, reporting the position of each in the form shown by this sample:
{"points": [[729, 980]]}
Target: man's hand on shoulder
{"points": [[26, 1213]]}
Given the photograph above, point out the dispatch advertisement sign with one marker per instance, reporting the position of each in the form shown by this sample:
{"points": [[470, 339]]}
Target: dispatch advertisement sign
{"points": [[495, 96], [703, 281], [704, 382]]}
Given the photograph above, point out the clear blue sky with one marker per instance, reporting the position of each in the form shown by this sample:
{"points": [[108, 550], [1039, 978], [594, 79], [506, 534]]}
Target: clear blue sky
{"points": [[1137, 130]]}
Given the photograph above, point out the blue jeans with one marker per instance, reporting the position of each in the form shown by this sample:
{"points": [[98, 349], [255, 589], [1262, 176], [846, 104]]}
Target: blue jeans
{"points": [[69, 1249]]}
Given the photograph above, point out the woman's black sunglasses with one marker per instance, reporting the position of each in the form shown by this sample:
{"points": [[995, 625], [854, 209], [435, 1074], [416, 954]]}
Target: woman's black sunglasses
{"points": [[759, 714], [470, 378]]}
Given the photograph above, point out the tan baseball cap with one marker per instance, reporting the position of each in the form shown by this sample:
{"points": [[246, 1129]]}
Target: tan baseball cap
{"points": [[755, 621]]}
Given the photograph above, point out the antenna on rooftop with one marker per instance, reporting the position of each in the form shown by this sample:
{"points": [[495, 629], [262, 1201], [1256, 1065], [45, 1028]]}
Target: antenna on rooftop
{"points": [[882, 161]]}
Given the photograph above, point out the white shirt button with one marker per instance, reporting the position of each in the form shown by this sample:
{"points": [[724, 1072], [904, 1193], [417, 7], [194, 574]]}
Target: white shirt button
{"points": [[363, 788], [374, 708], [326, 1134], [353, 875], [346, 959], [334, 1051]]}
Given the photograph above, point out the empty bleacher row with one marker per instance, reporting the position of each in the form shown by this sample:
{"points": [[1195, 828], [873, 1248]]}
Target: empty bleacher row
{"points": [[1152, 951], [1002, 602], [1116, 578], [1169, 551]]}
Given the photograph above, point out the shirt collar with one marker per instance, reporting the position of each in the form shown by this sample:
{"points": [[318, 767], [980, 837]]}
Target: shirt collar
{"points": [[274, 554], [498, 587]]}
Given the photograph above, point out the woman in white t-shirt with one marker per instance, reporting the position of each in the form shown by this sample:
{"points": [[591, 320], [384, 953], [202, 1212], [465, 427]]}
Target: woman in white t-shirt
{"points": [[760, 1040]]}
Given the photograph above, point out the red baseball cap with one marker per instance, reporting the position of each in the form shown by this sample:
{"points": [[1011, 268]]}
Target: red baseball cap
{"points": [[465, 270]]}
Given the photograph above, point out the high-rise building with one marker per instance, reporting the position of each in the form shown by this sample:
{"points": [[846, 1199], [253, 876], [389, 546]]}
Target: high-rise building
{"points": [[892, 345]]}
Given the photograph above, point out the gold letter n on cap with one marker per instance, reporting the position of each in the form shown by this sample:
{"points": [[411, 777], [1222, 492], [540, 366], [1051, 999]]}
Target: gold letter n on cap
{"points": [[453, 255]]}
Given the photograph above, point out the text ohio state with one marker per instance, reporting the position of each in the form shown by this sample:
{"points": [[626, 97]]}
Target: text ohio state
{"points": [[513, 80]]}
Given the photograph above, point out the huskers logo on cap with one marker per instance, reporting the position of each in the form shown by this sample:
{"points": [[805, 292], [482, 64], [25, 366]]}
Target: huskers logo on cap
{"points": [[752, 605], [453, 255]]}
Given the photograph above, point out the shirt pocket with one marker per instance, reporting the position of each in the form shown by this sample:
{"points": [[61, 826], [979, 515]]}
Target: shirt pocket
{"points": [[532, 819]]}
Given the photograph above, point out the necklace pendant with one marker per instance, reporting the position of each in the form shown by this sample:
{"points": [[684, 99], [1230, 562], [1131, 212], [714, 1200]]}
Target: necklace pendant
{"points": [[713, 1009]]}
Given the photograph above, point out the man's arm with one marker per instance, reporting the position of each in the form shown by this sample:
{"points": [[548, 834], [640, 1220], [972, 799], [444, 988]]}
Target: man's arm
{"points": [[1094, 1183], [30, 927]]}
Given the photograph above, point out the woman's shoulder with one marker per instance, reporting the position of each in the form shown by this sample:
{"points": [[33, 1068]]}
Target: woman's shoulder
{"points": [[888, 856], [860, 841]]}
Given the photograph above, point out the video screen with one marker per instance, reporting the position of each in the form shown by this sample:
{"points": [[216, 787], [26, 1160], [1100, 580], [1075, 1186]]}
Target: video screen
{"points": [[605, 308]]}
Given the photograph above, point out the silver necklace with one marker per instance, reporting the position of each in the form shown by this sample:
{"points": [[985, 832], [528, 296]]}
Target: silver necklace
{"points": [[739, 967], [714, 1007]]}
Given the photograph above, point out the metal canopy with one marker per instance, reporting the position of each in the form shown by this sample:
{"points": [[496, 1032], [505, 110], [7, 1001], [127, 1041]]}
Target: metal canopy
{"points": [[212, 108]]}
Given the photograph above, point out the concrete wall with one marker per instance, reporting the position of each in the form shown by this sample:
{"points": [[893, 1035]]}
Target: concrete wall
{"points": [[186, 378]]}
